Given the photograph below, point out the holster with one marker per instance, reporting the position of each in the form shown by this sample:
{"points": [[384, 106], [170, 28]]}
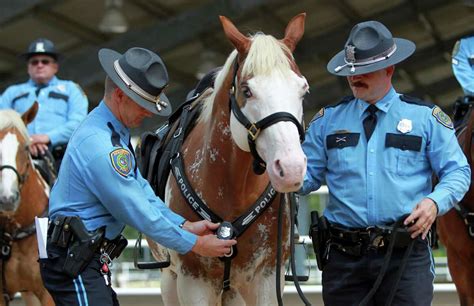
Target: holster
{"points": [[319, 233], [115, 247], [70, 232]]}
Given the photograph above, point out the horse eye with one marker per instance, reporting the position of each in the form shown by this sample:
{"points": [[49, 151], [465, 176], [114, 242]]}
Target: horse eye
{"points": [[247, 92]]}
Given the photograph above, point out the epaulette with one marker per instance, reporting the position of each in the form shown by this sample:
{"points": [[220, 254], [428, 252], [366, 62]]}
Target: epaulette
{"points": [[417, 101], [115, 137], [346, 99]]}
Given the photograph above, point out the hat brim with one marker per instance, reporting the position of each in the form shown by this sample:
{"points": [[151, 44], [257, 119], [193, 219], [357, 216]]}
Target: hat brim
{"points": [[405, 48], [28, 55], [107, 57]]}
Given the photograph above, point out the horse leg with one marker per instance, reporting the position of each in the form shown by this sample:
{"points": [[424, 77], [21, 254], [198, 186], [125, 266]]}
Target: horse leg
{"points": [[169, 290], [266, 287], [196, 291], [234, 297]]}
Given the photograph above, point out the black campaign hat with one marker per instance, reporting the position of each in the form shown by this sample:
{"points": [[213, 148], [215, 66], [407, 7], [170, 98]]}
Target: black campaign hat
{"points": [[141, 75], [370, 47], [41, 46]]}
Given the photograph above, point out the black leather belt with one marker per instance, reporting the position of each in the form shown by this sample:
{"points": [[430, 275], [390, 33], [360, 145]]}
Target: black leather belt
{"points": [[358, 242]]}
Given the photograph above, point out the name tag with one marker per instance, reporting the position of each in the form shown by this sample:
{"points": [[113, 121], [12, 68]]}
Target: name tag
{"points": [[403, 142], [342, 140]]}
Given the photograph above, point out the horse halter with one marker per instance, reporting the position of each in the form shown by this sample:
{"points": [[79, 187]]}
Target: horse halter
{"points": [[255, 128]]}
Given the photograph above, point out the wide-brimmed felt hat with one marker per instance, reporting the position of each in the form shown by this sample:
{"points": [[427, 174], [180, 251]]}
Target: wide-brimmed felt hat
{"points": [[41, 46], [141, 74], [370, 47]]}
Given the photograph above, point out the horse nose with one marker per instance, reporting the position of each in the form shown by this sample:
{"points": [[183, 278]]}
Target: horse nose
{"points": [[7, 202], [290, 170]]}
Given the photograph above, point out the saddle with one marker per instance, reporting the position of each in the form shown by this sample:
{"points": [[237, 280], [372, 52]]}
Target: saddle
{"points": [[45, 164], [157, 148]]}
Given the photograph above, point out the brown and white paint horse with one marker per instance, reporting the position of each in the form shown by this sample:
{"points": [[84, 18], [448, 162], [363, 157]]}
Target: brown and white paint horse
{"points": [[23, 195], [219, 166], [452, 230]]}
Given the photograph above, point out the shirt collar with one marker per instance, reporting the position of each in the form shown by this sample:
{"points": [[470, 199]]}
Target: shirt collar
{"points": [[53, 81], [108, 116], [383, 104]]}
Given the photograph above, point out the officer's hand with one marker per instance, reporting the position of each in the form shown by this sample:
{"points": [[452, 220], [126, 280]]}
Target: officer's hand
{"points": [[421, 218], [39, 138], [39, 144], [211, 246], [202, 227]]}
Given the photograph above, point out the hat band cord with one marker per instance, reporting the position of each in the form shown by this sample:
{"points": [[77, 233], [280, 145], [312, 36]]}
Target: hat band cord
{"points": [[137, 89], [371, 60]]}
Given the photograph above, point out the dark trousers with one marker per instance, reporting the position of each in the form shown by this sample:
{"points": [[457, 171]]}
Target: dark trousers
{"points": [[89, 288], [347, 279]]}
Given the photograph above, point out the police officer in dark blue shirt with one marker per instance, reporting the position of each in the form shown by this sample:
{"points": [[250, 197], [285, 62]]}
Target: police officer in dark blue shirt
{"points": [[377, 151], [62, 104], [99, 188]]}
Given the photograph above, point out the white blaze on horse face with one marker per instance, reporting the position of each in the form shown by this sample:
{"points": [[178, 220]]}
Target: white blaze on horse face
{"points": [[9, 189], [279, 144]]}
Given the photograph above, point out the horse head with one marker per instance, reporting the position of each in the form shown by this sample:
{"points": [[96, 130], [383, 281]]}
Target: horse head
{"points": [[267, 107], [14, 155]]}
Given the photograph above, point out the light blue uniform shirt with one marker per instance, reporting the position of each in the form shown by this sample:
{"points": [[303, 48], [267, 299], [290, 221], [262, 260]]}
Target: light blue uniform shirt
{"points": [[378, 182], [62, 106], [463, 64], [105, 190]]}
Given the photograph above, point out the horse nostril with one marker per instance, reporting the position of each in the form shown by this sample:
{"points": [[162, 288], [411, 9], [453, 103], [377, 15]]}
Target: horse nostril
{"points": [[279, 168]]}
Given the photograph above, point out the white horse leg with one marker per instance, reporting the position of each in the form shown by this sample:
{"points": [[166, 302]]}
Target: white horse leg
{"points": [[169, 292], [195, 291], [235, 298], [266, 288]]}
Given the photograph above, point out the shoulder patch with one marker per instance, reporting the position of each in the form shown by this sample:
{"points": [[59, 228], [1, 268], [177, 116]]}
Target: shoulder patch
{"points": [[121, 161], [414, 100], [318, 115], [442, 118], [346, 99]]}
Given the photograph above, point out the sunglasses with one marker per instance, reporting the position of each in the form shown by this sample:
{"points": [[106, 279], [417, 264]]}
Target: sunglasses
{"points": [[43, 61]]}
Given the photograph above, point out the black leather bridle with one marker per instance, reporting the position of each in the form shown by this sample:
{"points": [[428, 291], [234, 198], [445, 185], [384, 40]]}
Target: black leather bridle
{"points": [[254, 129]]}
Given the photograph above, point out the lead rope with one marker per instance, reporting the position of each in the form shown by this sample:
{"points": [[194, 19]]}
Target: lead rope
{"points": [[292, 248]]}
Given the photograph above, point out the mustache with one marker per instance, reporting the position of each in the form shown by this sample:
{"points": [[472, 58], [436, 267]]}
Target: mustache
{"points": [[359, 84]]}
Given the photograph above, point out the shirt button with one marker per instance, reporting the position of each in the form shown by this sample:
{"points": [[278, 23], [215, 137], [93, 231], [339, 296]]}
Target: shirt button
{"points": [[372, 150], [371, 173]]}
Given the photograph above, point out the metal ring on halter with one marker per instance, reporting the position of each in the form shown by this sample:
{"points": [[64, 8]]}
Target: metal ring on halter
{"points": [[230, 253]]}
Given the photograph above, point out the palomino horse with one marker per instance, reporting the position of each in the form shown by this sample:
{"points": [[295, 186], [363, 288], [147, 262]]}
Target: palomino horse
{"points": [[454, 233], [260, 83], [23, 195]]}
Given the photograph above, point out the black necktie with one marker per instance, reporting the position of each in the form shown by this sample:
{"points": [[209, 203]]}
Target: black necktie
{"points": [[38, 88], [370, 121]]}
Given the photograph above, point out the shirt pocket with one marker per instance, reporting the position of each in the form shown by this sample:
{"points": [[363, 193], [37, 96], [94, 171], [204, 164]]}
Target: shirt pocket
{"points": [[405, 154], [341, 149]]}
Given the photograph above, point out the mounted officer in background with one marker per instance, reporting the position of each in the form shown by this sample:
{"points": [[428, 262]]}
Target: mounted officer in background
{"points": [[62, 104], [463, 69]]}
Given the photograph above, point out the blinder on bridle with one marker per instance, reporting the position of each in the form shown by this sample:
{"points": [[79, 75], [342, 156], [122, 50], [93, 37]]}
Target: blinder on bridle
{"points": [[254, 129]]}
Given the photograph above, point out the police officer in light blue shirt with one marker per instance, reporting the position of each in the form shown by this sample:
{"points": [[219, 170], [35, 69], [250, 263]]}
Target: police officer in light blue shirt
{"points": [[62, 104], [377, 150], [463, 64], [100, 185]]}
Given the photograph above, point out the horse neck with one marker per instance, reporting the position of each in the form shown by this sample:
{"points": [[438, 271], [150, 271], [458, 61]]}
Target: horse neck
{"points": [[34, 198]]}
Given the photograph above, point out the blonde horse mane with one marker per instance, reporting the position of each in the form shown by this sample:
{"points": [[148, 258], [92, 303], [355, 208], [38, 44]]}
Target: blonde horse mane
{"points": [[266, 55], [11, 119]]}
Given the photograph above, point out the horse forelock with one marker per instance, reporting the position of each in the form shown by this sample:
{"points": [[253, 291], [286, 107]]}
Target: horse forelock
{"points": [[11, 119], [266, 55]]}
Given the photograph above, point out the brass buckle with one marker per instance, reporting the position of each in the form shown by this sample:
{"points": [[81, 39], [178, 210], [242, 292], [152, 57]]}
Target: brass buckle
{"points": [[253, 131]]}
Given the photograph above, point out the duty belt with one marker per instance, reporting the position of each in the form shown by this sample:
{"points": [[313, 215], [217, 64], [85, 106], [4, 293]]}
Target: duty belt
{"points": [[358, 242]]}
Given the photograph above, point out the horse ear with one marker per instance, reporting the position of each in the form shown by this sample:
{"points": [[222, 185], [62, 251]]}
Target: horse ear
{"points": [[30, 114], [294, 31], [239, 40]]}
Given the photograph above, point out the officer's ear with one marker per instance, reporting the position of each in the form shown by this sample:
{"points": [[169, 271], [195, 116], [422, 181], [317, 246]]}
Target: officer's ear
{"points": [[390, 70]]}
